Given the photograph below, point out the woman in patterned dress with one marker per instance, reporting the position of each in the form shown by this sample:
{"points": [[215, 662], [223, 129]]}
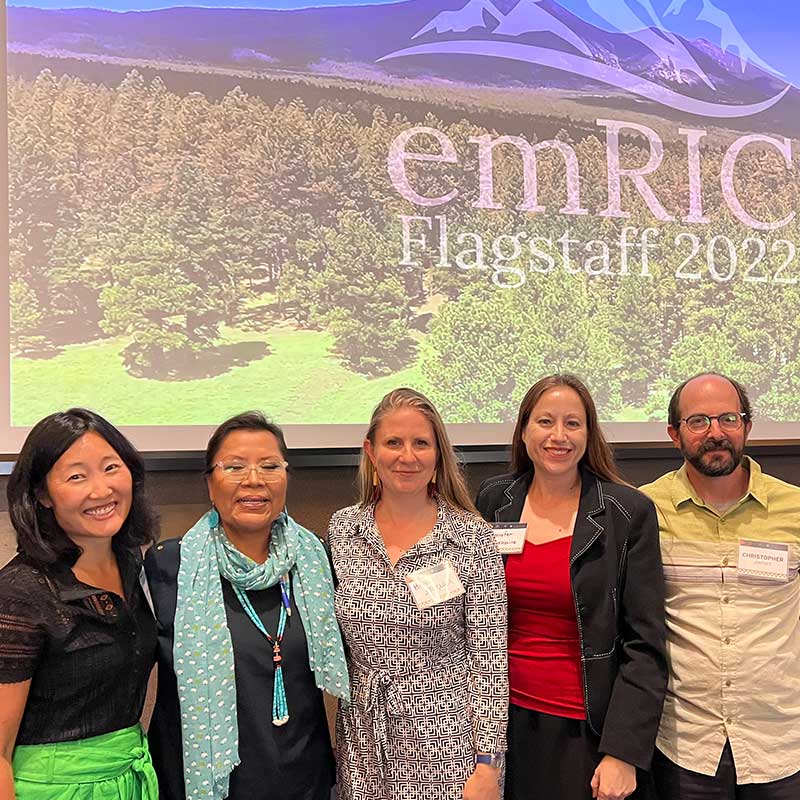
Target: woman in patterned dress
{"points": [[247, 636], [421, 602]]}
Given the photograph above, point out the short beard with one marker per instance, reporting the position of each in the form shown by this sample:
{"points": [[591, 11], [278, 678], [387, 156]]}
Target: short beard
{"points": [[718, 467]]}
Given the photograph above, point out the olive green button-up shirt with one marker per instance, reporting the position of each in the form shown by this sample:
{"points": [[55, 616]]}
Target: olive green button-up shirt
{"points": [[733, 641]]}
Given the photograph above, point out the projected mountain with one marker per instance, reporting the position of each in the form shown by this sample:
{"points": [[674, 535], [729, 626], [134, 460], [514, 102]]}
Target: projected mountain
{"points": [[633, 49], [529, 17], [531, 43], [473, 15], [710, 18]]}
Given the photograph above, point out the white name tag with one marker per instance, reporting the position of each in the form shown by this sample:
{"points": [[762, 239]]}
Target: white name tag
{"points": [[434, 585], [766, 560], [510, 537]]}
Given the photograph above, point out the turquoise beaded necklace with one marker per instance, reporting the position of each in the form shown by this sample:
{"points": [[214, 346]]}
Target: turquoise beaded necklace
{"points": [[280, 708]]}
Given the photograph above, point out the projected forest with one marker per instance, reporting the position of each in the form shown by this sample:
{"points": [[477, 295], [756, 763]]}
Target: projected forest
{"points": [[186, 239]]}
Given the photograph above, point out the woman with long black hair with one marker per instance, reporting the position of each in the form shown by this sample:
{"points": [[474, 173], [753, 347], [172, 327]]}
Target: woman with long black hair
{"points": [[77, 635]]}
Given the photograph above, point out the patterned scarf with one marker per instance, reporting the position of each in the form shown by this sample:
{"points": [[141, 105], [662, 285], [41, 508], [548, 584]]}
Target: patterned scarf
{"points": [[202, 650]]}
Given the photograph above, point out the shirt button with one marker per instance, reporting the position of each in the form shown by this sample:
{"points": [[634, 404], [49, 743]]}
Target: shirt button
{"points": [[728, 721], [727, 640], [725, 561], [726, 599], [727, 683]]}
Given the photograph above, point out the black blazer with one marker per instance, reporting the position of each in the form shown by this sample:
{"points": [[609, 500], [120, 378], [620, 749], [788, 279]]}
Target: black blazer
{"points": [[164, 736], [618, 589]]}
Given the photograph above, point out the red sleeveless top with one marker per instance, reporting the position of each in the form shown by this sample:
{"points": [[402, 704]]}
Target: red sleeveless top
{"points": [[543, 646]]}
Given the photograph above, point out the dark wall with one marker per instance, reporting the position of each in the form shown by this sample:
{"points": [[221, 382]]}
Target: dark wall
{"points": [[315, 492]]}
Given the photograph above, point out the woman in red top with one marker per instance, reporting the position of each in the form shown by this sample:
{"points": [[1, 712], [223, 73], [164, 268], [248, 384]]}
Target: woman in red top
{"points": [[586, 606]]}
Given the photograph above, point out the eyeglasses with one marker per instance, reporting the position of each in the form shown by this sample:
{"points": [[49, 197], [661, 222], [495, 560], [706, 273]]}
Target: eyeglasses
{"points": [[237, 471], [729, 421]]}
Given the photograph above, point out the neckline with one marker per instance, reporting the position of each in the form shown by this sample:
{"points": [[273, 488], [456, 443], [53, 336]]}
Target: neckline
{"points": [[549, 541]]}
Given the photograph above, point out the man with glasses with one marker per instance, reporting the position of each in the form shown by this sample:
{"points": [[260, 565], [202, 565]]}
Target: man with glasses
{"points": [[730, 541]]}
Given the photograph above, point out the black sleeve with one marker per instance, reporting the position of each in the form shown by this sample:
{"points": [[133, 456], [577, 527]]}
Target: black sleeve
{"points": [[23, 613], [634, 712], [330, 561], [484, 501], [165, 736]]}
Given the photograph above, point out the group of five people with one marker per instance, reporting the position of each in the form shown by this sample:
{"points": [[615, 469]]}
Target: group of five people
{"points": [[629, 643]]}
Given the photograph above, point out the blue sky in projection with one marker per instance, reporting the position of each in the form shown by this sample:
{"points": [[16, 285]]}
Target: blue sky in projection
{"points": [[770, 28]]}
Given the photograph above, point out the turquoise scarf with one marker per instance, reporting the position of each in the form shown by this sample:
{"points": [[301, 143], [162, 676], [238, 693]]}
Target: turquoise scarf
{"points": [[202, 648]]}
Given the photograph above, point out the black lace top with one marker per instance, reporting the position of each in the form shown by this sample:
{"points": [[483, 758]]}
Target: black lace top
{"points": [[87, 652]]}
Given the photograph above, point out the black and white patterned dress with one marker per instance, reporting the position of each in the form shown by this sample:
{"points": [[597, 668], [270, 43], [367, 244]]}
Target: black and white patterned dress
{"points": [[430, 687]]}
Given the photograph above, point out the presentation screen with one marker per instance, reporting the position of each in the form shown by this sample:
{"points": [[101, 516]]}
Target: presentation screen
{"points": [[293, 208]]}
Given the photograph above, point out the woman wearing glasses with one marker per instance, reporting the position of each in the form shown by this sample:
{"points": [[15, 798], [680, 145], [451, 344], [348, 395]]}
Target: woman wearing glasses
{"points": [[247, 636], [587, 667]]}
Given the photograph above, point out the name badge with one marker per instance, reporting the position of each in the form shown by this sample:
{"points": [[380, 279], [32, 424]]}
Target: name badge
{"points": [[765, 560], [510, 537], [434, 585]]}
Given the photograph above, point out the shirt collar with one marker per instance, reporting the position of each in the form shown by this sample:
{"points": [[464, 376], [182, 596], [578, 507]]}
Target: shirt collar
{"points": [[682, 489], [445, 527], [71, 589]]}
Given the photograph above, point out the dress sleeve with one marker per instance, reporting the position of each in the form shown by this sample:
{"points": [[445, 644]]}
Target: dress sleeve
{"points": [[485, 607], [22, 631]]}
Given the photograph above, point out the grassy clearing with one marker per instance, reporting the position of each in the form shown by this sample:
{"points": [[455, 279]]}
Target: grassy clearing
{"points": [[299, 381]]}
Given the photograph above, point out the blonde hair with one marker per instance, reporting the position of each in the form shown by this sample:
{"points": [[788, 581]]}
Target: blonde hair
{"points": [[450, 484]]}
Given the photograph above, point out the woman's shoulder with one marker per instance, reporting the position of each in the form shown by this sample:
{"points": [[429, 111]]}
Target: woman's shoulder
{"points": [[492, 491], [628, 500], [161, 565], [465, 528], [497, 484], [465, 518], [347, 517], [25, 583], [162, 561], [22, 573]]}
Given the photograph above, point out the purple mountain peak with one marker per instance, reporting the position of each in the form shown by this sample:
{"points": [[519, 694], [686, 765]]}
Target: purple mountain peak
{"points": [[730, 38], [529, 16], [464, 19]]}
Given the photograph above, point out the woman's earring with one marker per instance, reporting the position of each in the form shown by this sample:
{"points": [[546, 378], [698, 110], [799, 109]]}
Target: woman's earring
{"points": [[374, 477], [433, 478]]}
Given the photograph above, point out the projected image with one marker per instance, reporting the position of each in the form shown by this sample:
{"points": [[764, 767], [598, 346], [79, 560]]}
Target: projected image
{"points": [[301, 208]]}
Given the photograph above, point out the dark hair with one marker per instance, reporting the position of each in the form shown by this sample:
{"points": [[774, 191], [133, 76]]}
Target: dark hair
{"points": [[39, 536], [599, 457], [246, 421], [674, 413]]}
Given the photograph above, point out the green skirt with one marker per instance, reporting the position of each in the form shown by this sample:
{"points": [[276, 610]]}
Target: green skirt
{"points": [[113, 766]]}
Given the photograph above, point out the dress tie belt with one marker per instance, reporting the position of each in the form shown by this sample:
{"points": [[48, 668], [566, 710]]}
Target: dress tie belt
{"points": [[383, 699]]}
